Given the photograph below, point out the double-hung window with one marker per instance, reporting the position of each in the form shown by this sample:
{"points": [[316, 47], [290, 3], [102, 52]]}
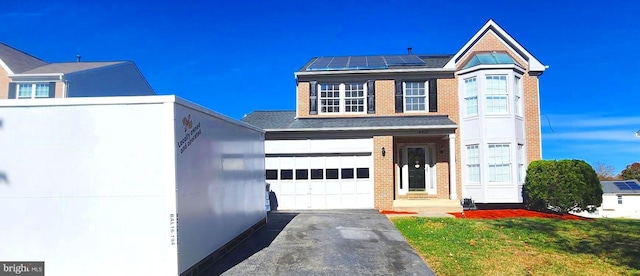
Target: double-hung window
{"points": [[471, 96], [521, 169], [339, 98], [499, 163], [496, 94], [415, 96], [473, 163], [32, 90], [517, 95]]}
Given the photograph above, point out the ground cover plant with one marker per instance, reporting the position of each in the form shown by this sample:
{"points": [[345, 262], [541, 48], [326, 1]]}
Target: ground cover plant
{"points": [[525, 246]]}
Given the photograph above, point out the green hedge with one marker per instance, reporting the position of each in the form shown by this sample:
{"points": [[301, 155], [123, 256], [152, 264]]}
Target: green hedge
{"points": [[562, 185]]}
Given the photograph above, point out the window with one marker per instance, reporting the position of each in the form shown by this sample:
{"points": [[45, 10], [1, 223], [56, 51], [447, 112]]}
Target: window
{"points": [[499, 163], [415, 96], [362, 172], [354, 97], [272, 174], [332, 173], [471, 96], [521, 169], [619, 199], [517, 95], [33, 90], [347, 173], [496, 94], [317, 173], [302, 174], [342, 98], [473, 163], [330, 98], [286, 174]]}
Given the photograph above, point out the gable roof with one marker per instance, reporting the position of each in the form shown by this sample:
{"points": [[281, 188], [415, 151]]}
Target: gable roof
{"points": [[287, 121], [534, 64], [16, 61], [69, 67], [611, 187]]}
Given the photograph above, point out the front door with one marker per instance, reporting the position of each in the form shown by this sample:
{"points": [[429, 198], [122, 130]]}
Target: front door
{"points": [[416, 173]]}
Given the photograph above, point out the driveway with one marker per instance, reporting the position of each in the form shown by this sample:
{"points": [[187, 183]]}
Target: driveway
{"points": [[335, 242]]}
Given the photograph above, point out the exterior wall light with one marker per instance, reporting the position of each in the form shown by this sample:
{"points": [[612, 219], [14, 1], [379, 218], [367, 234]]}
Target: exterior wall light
{"points": [[441, 149], [383, 152]]}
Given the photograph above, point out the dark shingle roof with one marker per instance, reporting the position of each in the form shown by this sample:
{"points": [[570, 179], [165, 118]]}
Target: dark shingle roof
{"points": [[69, 67], [609, 187], [285, 120], [17, 60]]}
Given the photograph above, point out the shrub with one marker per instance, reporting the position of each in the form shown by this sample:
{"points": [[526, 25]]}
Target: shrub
{"points": [[563, 186]]}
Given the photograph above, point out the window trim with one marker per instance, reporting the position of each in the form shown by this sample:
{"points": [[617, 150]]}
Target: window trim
{"points": [[468, 164], [342, 88], [518, 106], [492, 178], [467, 97], [426, 97], [486, 94]]}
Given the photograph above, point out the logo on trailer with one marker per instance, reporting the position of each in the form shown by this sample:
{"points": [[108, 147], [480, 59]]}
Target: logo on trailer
{"points": [[187, 123]]}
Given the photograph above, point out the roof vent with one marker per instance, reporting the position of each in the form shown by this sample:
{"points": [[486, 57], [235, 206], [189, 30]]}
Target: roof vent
{"points": [[410, 51]]}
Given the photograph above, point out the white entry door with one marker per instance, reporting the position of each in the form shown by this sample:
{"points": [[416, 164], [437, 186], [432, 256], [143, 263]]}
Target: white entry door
{"points": [[417, 169]]}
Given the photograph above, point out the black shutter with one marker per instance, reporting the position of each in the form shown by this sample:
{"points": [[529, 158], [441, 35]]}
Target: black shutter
{"points": [[313, 97], [399, 107], [52, 90], [371, 97], [433, 95], [12, 90]]}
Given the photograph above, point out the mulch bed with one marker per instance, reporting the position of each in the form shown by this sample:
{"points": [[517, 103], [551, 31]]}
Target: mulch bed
{"points": [[391, 212], [514, 213]]}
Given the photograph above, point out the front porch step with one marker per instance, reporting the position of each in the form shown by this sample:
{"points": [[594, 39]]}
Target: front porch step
{"points": [[419, 195], [427, 205]]}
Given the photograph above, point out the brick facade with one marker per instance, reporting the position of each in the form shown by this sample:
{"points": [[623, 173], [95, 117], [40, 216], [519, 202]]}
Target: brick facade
{"points": [[4, 84]]}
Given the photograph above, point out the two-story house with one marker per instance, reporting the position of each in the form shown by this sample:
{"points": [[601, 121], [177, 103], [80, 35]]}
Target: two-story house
{"points": [[372, 131], [23, 76]]}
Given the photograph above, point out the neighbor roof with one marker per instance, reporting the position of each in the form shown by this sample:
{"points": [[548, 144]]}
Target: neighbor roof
{"points": [[287, 121], [621, 187], [374, 62], [69, 67], [18, 61]]}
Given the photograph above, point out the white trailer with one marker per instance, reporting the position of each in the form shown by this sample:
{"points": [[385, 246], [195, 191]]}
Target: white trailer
{"points": [[150, 185]]}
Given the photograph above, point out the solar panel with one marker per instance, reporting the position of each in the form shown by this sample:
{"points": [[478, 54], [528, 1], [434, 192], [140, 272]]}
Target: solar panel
{"points": [[376, 62], [622, 186], [338, 63], [633, 185], [363, 62], [320, 63]]}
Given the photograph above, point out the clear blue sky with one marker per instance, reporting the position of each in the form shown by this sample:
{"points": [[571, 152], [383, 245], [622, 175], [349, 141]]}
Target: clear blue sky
{"points": [[238, 56]]}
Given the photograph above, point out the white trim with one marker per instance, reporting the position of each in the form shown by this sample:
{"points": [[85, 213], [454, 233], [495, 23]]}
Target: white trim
{"points": [[404, 97], [430, 173], [37, 75], [342, 91], [364, 128], [534, 64], [5, 67], [539, 119], [490, 67], [453, 192], [306, 73]]}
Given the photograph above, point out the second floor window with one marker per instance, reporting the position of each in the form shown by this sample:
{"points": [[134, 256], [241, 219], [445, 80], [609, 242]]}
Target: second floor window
{"points": [[471, 96], [32, 90], [415, 96], [496, 94], [342, 98]]}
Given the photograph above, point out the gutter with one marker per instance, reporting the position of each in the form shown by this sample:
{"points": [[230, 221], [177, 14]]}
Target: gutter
{"points": [[412, 70], [361, 128]]}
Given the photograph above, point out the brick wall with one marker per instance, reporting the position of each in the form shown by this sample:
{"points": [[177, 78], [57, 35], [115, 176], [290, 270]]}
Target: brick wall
{"points": [[4, 84], [383, 172]]}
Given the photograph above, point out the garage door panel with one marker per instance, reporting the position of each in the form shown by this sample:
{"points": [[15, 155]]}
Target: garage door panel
{"points": [[365, 201], [348, 187], [364, 187], [318, 201], [301, 187], [286, 188], [318, 188], [348, 201], [332, 188]]}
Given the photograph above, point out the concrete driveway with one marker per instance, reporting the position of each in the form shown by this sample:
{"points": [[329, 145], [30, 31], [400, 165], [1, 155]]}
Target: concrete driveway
{"points": [[337, 242]]}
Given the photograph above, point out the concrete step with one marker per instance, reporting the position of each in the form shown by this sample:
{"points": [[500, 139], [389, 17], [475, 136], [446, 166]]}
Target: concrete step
{"points": [[427, 205]]}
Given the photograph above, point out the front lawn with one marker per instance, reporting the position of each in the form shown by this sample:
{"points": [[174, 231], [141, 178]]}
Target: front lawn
{"points": [[525, 246]]}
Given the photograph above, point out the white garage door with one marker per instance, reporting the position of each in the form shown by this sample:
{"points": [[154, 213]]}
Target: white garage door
{"points": [[321, 182]]}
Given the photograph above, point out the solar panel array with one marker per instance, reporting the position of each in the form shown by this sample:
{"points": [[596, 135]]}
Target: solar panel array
{"points": [[363, 62], [627, 185]]}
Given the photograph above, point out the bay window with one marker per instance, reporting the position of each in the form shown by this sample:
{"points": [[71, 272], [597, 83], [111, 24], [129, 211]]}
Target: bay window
{"points": [[473, 163], [471, 96], [499, 159], [496, 94]]}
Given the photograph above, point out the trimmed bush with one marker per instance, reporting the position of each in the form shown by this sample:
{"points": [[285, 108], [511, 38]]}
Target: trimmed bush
{"points": [[563, 186]]}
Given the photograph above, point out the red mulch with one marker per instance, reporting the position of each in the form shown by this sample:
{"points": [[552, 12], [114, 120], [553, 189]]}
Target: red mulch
{"points": [[391, 212], [514, 213]]}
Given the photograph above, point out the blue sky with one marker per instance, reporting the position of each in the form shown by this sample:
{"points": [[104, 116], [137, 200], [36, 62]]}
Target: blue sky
{"points": [[238, 56]]}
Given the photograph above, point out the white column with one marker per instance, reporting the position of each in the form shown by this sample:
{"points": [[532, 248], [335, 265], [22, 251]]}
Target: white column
{"points": [[453, 194]]}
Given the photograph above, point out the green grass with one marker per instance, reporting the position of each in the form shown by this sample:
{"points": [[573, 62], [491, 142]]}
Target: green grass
{"points": [[525, 246]]}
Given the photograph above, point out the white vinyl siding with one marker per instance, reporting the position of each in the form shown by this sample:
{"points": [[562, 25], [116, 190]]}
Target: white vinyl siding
{"points": [[473, 163], [471, 96], [499, 159], [496, 94]]}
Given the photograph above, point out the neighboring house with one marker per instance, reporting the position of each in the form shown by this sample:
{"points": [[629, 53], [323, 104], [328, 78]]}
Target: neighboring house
{"points": [[23, 76], [374, 131], [620, 199]]}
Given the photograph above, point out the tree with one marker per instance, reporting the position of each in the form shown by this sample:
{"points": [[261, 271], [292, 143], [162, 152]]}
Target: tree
{"points": [[563, 186], [604, 171], [631, 172]]}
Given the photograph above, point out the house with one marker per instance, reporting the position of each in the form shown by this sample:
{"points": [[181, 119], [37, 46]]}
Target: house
{"points": [[620, 199], [379, 131], [23, 76]]}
